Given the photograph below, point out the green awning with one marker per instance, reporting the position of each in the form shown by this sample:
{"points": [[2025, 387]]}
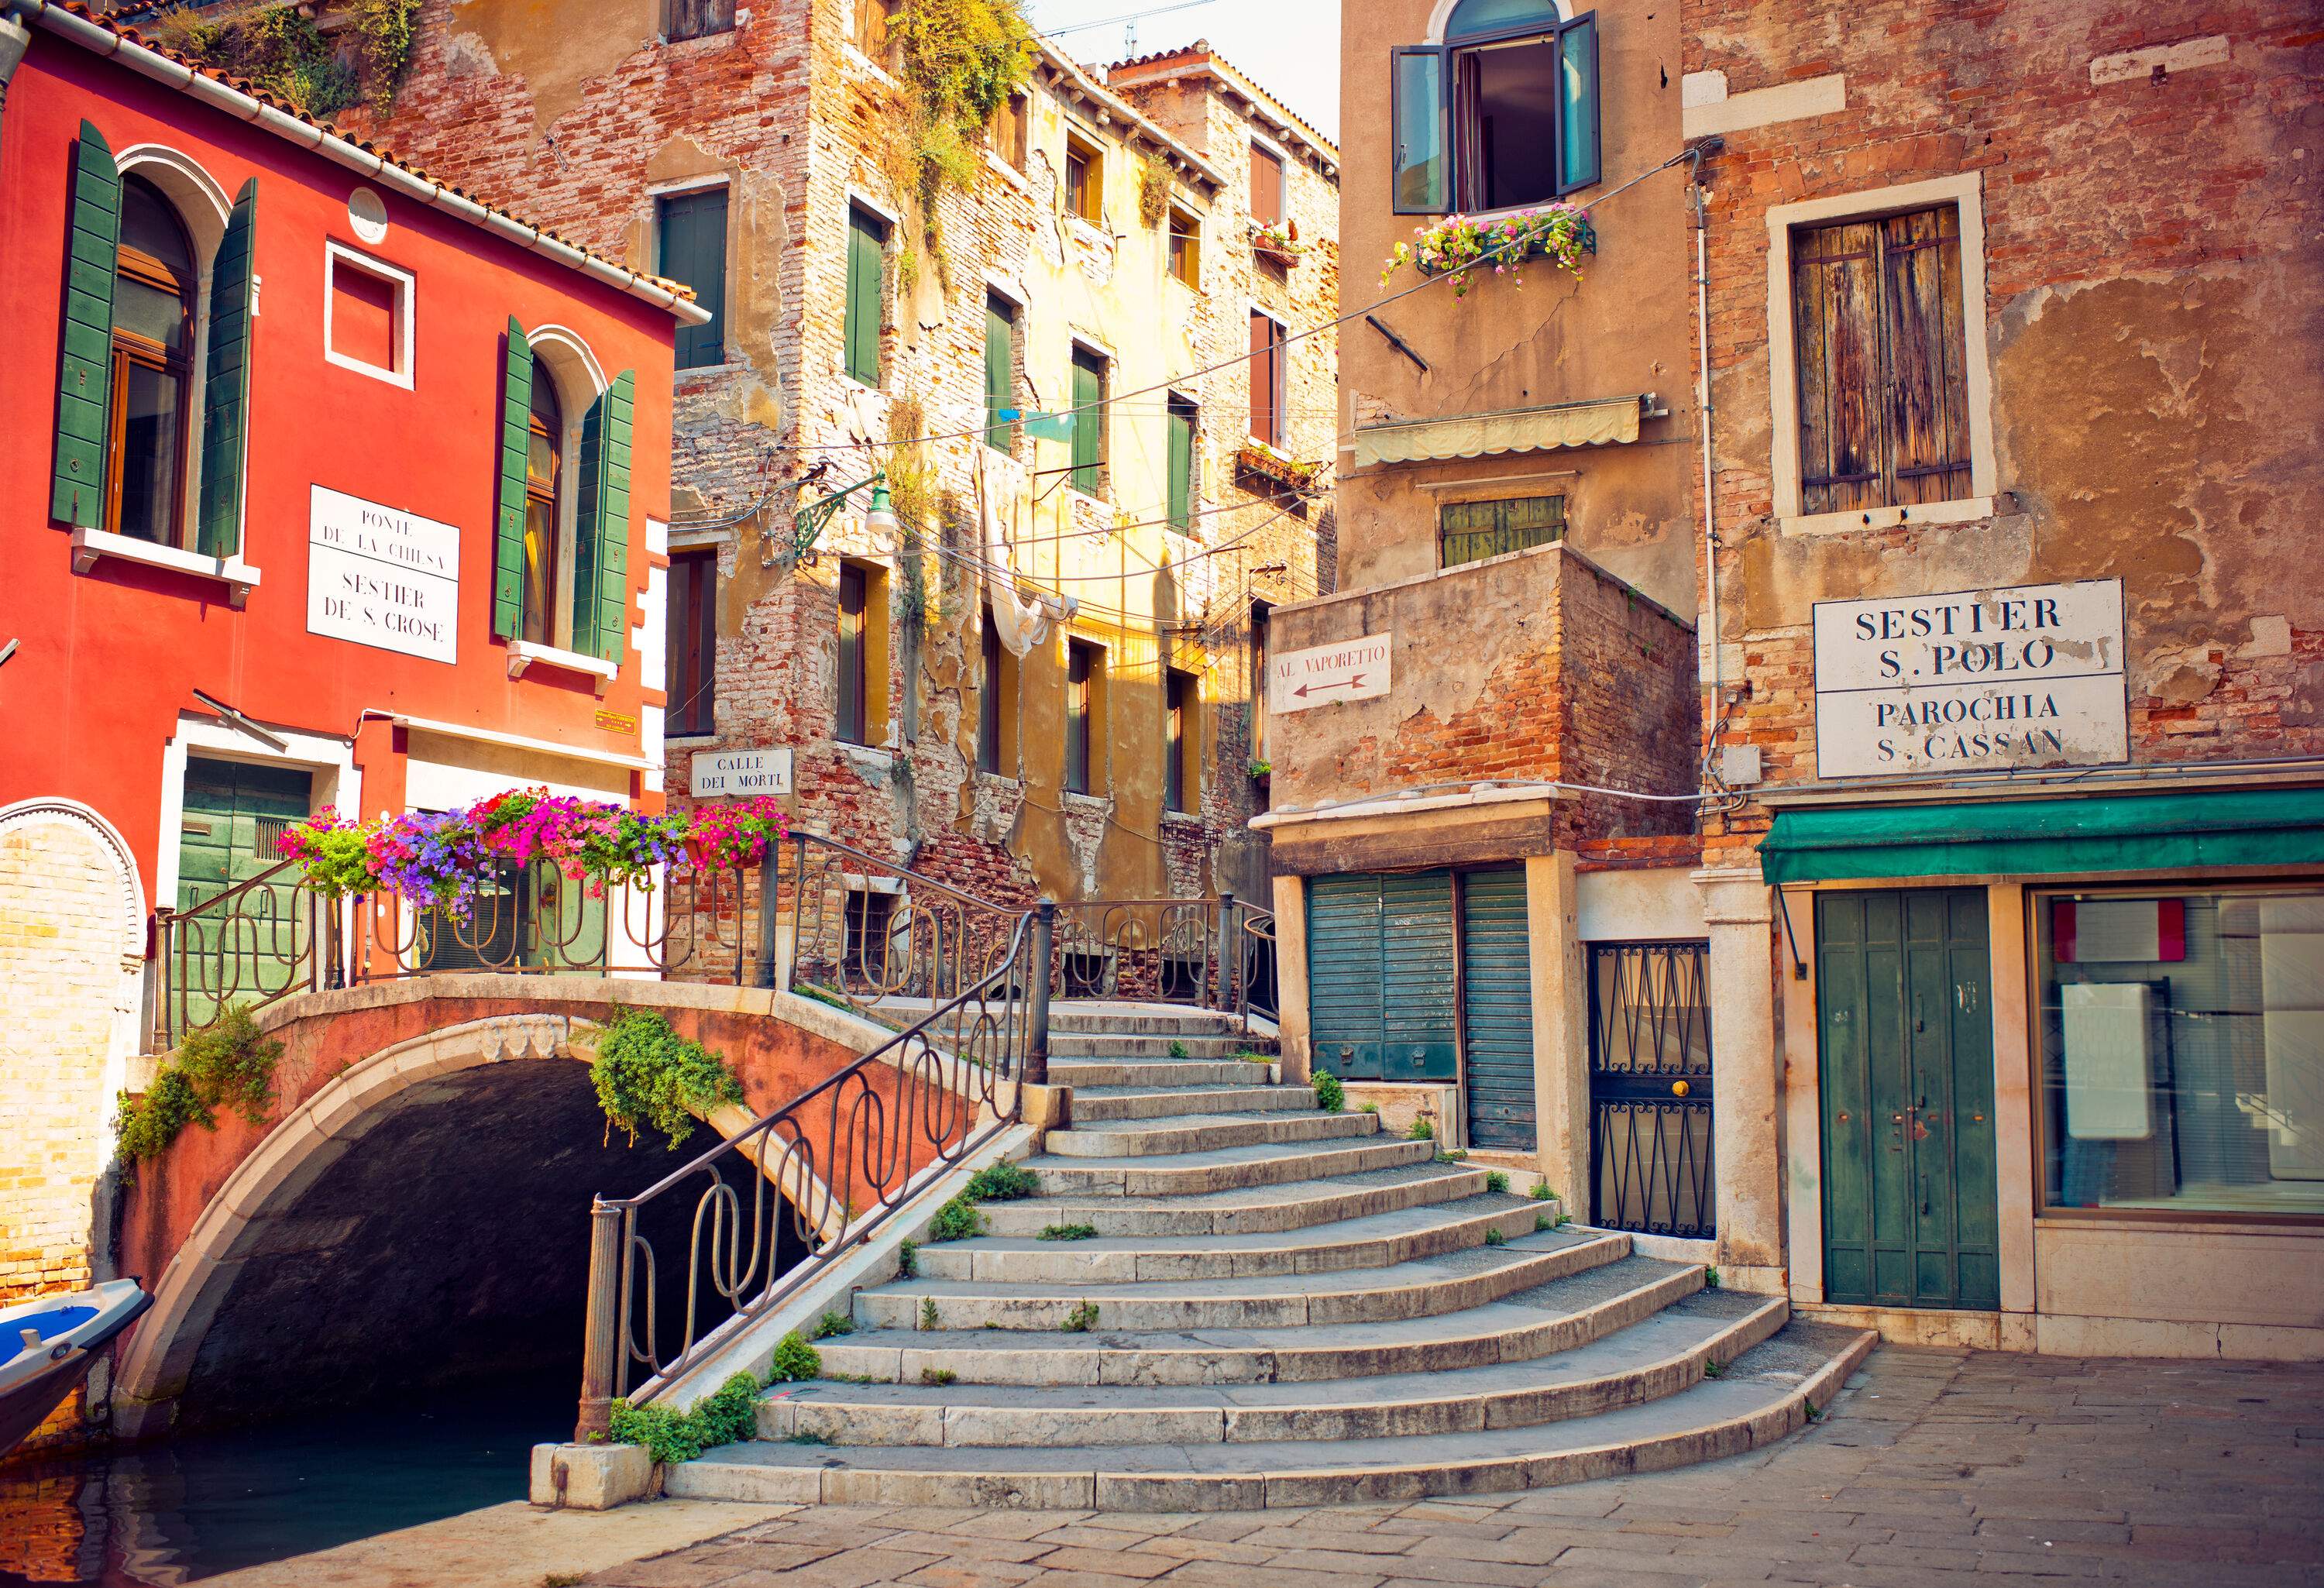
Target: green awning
{"points": [[2048, 837]]}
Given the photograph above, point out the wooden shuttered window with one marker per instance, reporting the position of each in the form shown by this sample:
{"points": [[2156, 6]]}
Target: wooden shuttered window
{"points": [[1181, 734], [1000, 371], [1180, 462], [695, 19], [601, 575], [225, 380], [1381, 972], [693, 250], [1266, 197], [854, 724], [692, 679], [1085, 664], [1880, 333], [1471, 532], [1470, 125], [509, 518], [1266, 379], [1089, 422], [84, 378], [867, 252]]}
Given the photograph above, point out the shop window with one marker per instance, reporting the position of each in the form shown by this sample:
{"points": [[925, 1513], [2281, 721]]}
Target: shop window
{"points": [[1010, 130], [1186, 246], [1182, 773], [1084, 714], [996, 704], [695, 19], [1269, 205], [1882, 361], [693, 641], [1184, 421], [1084, 179], [1000, 317], [1090, 382], [692, 230], [1266, 364], [863, 659], [367, 316], [867, 262], [2183, 1050], [1503, 113], [1471, 532]]}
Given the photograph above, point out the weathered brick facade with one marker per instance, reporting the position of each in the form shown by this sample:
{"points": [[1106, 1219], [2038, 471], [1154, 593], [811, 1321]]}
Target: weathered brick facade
{"points": [[590, 124]]}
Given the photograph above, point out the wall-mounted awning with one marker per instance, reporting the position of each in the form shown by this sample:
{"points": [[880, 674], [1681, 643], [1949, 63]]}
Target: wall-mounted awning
{"points": [[1509, 429], [2048, 837]]}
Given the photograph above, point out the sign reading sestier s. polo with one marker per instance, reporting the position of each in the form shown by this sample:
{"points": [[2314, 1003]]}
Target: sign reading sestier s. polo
{"points": [[1323, 674], [2026, 676], [382, 576]]}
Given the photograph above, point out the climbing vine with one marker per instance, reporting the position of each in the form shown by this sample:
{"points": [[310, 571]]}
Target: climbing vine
{"points": [[646, 1073], [959, 61], [1154, 190], [288, 56], [227, 1064]]}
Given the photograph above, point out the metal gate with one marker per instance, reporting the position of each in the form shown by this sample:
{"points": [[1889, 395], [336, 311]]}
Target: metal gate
{"points": [[1650, 1089]]}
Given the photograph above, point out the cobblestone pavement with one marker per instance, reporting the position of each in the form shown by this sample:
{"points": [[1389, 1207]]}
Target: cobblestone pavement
{"points": [[1937, 1467]]}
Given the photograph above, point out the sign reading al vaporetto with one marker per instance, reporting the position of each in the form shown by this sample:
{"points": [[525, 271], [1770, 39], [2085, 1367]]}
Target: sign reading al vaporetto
{"points": [[2029, 676], [1323, 674]]}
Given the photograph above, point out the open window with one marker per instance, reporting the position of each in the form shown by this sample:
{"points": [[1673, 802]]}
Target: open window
{"points": [[1084, 179], [1500, 115]]}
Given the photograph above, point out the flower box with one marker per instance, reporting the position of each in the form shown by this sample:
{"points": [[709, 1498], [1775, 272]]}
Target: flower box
{"points": [[1497, 245], [1259, 458]]}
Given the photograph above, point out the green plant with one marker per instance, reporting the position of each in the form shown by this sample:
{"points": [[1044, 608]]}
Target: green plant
{"points": [[1178, 1050], [1329, 1095], [1081, 1319], [908, 1260], [1564, 1219], [958, 61], [226, 1063], [1711, 1279], [1260, 769], [929, 1313], [1497, 1182], [1422, 1131], [1815, 1415], [822, 995], [564, 1580], [1368, 1108], [808, 1439], [832, 1322], [1495, 1238], [1558, 232], [957, 1220], [287, 55], [1001, 1182], [646, 1073], [1542, 1220], [1069, 1233], [938, 1376], [1711, 1369], [1154, 190], [795, 1362], [727, 1415], [1540, 1192]]}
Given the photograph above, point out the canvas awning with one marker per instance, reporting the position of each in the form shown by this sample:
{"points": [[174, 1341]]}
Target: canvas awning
{"points": [[1508, 429], [2048, 837]]}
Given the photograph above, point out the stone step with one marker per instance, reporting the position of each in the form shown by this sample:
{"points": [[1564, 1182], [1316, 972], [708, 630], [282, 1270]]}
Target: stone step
{"points": [[1075, 1045], [1451, 1282], [1206, 1133], [1097, 1104], [1252, 1210], [1075, 1014], [1163, 1071], [1765, 1394], [1659, 1356], [1373, 1241], [1221, 1169], [1539, 1322]]}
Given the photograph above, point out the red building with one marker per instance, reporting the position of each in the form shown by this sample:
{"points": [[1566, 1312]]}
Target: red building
{"points": [[325, 484]]}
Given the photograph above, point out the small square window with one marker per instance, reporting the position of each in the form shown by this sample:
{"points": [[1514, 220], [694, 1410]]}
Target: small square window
{"points": [[367, 316]]}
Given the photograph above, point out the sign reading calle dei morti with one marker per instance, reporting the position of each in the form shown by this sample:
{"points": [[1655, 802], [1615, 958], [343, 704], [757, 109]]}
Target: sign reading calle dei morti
{"points": [[381, 577], [741, 773], [1977, 680]]}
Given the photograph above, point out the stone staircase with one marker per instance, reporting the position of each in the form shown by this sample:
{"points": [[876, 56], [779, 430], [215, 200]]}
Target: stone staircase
{"points": [[1280, 1307]]}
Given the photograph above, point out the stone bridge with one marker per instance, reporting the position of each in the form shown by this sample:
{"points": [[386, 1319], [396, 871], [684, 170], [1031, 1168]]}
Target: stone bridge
{"points": [[415, 1212]]}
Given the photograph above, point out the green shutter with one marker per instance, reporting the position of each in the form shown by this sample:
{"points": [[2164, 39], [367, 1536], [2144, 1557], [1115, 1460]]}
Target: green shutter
{"points": [[516, 445], [1418, 1025], [226, 379], [601, 577], [1497, 1008], [1421, 171], [1181, 464], [694, 251], [1089, 422], [866, 252], [1000, 374], [93, 245], [1343, 975], [1578, 160]]}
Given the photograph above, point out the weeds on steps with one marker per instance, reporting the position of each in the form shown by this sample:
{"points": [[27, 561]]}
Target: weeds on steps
{"points": [[1329, 1095], [1081, 1319]]}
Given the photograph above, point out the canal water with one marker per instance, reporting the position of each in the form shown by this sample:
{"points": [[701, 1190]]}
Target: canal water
{"points": [[188, 1508]]}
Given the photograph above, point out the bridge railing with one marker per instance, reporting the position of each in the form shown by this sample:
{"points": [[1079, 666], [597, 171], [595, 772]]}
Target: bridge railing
{"points": [[1211, 953]]}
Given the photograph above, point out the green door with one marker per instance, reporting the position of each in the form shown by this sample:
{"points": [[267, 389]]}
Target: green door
{"points": [[252, 946], [1904, 1016], [1497, 1008], [1380, 976], [1343, 975]]}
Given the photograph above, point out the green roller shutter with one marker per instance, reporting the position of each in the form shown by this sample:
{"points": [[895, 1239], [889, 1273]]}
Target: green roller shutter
{"points": [[1497, 1008], [600, 583], [1343, 975], [516, 443], [867, 247], [226, 379], [92, 247], [1419, 1035]]}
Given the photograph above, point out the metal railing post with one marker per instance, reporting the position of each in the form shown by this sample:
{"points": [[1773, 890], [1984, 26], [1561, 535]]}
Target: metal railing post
{"points": [[1226, 953], [771, 867], [601, 1340], [1036, 1010]]}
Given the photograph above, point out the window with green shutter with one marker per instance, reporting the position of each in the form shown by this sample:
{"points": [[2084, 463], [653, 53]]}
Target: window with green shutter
{"points": [[1471, 532], [693, 250], [1089, 422], [1381, 976], [867, 253], [1000, 371], [1180, 461], [1505, 111], [83, 376], [226, 379], [601, 581], [516, 450]]}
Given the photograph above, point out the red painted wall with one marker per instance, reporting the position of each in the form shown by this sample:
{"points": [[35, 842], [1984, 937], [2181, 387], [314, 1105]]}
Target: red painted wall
{"points": [[106, 658]]}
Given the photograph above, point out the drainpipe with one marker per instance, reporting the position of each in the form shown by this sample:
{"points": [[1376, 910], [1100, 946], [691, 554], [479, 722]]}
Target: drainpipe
{"points": [[1703, 407], [16, 38]]}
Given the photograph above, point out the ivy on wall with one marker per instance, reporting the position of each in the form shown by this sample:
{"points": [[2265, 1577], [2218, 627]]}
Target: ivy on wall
{"points": [[646, 1073], [226, 1063], [286, 54], [959, 61]]}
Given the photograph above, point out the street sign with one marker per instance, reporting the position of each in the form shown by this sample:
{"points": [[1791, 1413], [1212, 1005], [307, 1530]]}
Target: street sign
{"points": [[381, 577], [741, 773], [1326, 675]]}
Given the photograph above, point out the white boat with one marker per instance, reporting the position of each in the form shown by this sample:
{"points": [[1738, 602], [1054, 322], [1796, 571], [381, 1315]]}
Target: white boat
{"points": [[47, 1345]]}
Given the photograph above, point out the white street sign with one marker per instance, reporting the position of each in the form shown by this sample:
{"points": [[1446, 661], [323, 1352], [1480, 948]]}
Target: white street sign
{"points": [[1326, 675], [383, 578], [741, 773], [2030, 676]]}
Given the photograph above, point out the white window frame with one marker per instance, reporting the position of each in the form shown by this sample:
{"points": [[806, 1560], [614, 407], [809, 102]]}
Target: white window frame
{"points": [[1966, 193], [1259, 140], [335, 253]]}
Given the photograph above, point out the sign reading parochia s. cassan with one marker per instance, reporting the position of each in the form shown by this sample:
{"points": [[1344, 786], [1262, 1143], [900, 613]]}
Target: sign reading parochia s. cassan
{"points": [[742, 774], [2026, 676], [382, 576], [1323, 675]]}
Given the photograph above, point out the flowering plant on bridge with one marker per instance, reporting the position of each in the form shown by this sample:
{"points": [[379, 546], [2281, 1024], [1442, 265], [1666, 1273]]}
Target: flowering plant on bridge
{"points": [[1560, 233]]}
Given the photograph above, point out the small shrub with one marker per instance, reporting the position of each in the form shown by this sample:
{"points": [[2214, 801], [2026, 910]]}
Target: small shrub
{"points": [[1177, 1049], [1540, 1192], [1565, 1219], [807, 1439], [1368, 1108], [938, 1376], [226, 1063], [1542, 1220], [908, 1260], [1001, 1182], [795, 1362], [1069, 1233], [1329, 1095], [929, 1313], [833, 1322], [1711, 1279], [1081, 1319], [727, 1415], [1422, 1131], [1495, 1238], [957, 1220], [646, 1073], [1711, 1369], [1497, 1183]]}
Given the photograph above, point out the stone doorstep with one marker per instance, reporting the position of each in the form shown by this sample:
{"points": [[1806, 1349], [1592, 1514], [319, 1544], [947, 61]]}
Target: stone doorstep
{"points": [[1228, 1169], [1107, 1105], [1083, 1045], [1246, 1210], [1206, 1132], [1164, 1072]]}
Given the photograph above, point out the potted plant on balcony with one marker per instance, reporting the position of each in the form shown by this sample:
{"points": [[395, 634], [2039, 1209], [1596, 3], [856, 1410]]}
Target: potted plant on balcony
{"points": [[1278, 244], [1256, 457], [1560, 233]]}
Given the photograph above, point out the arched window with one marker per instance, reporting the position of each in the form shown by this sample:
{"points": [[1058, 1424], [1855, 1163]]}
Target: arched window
{"points": [[1501, 115], [152, 345], [544, 470]]}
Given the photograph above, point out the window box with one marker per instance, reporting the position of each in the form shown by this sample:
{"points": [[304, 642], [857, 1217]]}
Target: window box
{"points": [[1259, 458], [1560, 233], [239, 577], [524, 655], [1278, 245]]}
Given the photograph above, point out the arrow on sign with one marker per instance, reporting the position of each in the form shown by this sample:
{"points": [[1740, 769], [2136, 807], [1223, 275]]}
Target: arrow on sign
{"points": [[1355, 683]]}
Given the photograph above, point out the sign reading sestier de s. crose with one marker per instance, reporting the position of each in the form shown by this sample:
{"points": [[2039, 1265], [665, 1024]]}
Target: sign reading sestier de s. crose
{"points": [[2030, 676], [382, 576], [1322, 675]]}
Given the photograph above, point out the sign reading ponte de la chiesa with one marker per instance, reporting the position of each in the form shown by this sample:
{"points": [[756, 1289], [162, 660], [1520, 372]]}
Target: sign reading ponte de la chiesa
{"points": [[1976, 681]]}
